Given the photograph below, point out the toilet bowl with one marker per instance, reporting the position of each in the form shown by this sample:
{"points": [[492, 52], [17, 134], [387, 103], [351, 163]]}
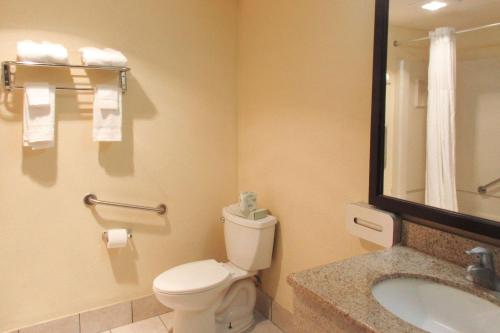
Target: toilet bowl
{"points": [[207, 296], [212, 297]]}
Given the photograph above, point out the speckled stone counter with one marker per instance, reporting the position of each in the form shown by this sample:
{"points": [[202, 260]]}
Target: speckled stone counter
{"points": [[337, 297]]}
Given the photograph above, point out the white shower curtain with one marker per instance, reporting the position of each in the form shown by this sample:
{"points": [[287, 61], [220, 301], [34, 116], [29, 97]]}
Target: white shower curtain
{"points": [[440, 189]]}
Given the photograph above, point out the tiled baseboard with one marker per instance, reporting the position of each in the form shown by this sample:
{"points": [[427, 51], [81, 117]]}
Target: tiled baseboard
{"points": [[116, 315], [273, 311], [101, 319]]}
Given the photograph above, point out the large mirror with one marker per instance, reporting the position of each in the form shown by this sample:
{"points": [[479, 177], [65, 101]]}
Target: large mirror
{"points": [[441, 116]]}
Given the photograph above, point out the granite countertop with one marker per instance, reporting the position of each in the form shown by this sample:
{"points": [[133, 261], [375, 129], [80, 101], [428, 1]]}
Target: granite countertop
{"points": [[344, 287]]}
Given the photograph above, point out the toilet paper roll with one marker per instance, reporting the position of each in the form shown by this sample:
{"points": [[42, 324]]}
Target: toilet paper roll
{"points": [[116, 238]]}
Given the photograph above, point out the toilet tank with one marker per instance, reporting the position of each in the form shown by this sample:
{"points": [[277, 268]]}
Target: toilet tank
{"points": [[249, 243]]}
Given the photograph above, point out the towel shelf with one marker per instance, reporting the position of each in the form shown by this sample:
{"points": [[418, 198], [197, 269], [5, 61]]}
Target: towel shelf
{"points": [[9, 82]]}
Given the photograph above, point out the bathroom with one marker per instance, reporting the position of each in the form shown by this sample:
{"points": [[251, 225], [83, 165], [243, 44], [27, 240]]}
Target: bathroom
{"points": [[307, 103]]}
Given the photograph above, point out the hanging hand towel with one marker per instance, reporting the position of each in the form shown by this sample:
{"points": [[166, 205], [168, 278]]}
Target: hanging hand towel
{"points": [[39, 115], [107, 113]]}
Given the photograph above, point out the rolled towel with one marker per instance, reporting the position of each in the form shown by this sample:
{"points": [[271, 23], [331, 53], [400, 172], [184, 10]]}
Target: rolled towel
{"points": [[92, 56], [38, 115], [28, 50], [116, 57], [107, 124], [56, 53]]}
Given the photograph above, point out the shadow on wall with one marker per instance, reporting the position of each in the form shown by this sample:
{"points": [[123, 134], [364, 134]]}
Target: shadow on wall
{"points": [[116, 158], [123, 263], [369, 246], [123, 260], [272, 276]]}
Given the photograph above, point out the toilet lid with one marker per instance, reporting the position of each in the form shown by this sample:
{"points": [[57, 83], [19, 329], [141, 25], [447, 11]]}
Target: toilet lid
{"points": [[191, 277]]}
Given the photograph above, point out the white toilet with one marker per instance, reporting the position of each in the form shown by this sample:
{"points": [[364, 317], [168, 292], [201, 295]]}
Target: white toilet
{"points": [[212, 297]]}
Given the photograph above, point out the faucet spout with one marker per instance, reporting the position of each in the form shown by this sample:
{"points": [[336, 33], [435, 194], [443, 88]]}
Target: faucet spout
{"points": [[483, 272]]}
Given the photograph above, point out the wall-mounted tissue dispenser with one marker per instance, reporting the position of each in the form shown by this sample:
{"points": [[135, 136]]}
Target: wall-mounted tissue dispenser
{"points": [[372, 224]]}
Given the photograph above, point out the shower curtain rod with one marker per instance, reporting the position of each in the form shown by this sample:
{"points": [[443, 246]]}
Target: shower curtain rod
{"points": [[492, 25]]}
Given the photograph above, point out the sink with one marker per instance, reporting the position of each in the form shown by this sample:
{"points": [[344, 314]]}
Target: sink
{"points": [[437, 308]]}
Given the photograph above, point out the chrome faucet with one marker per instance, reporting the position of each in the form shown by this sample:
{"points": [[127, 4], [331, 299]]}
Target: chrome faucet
{"points": [[483, 272]]}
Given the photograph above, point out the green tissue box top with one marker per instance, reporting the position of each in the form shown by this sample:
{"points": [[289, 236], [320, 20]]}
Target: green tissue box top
{"points": [[258, 214]]}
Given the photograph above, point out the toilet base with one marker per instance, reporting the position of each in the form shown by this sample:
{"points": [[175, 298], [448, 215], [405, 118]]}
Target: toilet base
{"points": [[231, 312], [235, 314], [204, 322], [237, 326]]}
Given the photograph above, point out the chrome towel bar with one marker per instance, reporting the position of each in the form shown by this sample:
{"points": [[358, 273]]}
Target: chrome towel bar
{"points": [[91, 200], [9, 81], [484, 189]]}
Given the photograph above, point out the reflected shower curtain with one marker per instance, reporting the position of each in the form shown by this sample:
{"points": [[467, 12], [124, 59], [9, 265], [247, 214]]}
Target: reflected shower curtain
{"points": [[440, 189]]}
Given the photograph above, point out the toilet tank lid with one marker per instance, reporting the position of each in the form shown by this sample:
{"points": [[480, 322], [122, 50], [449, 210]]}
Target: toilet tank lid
{"points": [[266, 222]]}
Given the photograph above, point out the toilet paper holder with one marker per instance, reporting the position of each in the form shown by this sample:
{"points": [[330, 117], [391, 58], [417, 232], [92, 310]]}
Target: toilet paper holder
{"points": [[105, 236]]}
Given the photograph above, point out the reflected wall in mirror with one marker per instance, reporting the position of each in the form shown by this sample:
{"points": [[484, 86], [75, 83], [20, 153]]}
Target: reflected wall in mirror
{"points": [[442, 114]]}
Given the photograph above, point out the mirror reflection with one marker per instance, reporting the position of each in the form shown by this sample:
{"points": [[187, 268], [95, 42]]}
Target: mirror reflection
{"points": [[442, 119]]}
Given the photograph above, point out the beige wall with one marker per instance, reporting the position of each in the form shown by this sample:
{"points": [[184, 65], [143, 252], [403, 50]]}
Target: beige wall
{"points": [[304, 88], [477, 119], [179, 148], [304, 70]]}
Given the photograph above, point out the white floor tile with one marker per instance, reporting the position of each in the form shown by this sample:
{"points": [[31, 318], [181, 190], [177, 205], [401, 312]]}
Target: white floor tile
{"points": [[265, 326], [168, 320], [152, 325], [164, 324]]}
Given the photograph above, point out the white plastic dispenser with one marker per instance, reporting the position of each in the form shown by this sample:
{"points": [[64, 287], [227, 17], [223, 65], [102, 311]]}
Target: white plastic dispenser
{"points": [[372, 224]]}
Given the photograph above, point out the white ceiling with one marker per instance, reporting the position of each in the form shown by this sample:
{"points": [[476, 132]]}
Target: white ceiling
{"points": [[460, 14]]}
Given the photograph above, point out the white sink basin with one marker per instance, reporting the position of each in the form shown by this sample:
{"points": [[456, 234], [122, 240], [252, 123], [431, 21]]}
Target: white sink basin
{"points": [[437, 308]]}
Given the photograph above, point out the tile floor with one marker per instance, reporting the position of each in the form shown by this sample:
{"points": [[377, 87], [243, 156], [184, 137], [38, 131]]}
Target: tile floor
{"points": [[163, 324]]}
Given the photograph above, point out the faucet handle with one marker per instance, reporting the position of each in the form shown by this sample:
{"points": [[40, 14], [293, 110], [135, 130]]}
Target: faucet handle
{"points": [[478, 251], [485, 256]]}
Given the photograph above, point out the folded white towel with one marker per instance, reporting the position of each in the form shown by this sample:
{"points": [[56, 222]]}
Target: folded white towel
{"points": [[107, 113], [28, 50], [92, 56], [39, 115]]}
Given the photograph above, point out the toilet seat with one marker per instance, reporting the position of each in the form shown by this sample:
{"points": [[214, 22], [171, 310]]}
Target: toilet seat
{"points": [[191, 278]]}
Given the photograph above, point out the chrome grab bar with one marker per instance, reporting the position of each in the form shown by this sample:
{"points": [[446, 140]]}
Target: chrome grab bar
{"points": [[91, 200], [484, 188]]}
